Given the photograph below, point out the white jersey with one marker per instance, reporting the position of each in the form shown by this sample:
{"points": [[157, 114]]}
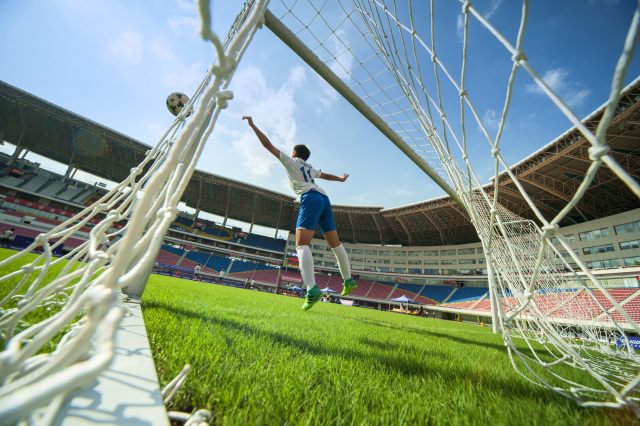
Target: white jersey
{"points": [[300, 174]]}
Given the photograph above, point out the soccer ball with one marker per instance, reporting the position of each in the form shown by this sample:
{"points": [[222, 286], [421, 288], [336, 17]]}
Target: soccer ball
{"points": [[176, 101]]}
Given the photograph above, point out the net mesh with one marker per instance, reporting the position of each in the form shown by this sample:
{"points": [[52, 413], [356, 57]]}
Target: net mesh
{"points": [[386, 53], [58, 316]]}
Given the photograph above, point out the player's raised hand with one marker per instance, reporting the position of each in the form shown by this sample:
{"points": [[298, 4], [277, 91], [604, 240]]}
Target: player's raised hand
{"points": [[344, 177], [249, 119]]}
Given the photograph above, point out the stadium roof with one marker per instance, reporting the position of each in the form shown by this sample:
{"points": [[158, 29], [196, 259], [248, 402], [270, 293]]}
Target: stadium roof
{"points": [[550, 176]]}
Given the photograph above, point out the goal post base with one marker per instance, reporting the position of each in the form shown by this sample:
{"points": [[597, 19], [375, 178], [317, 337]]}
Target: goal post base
{"points": [[126, 393]]}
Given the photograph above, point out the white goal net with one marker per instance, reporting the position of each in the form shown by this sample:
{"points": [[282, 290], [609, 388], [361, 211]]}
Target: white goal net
{"points": [[58, 316], [385, 58]]}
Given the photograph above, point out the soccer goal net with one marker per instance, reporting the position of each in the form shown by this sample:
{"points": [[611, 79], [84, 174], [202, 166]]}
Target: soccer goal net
{"points": [[58, 315], [395, 62]]}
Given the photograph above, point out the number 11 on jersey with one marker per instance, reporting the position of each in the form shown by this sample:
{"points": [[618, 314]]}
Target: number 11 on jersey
{"points": [[304, 175]]}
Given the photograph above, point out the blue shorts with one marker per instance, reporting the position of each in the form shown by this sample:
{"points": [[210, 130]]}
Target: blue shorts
{"points": [[315, 209]]}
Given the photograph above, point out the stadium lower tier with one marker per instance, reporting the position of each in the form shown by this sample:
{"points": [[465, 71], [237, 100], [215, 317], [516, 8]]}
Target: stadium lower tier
{"points": [[575, 303]]}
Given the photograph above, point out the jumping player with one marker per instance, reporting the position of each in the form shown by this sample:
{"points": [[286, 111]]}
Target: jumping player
{"points": [[315, 209]]}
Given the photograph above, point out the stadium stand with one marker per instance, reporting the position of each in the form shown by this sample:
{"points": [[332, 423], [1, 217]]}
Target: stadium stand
{"points": [[35, 183], [52, 188], [23, 237], [466, 297], [11, 181], [169, 255], [262, 273], [263, 242], [263, 276], [379, 290], [409, 290], [434, 294], [364, 287], [216, 232], [69, 193], [218, 263]]}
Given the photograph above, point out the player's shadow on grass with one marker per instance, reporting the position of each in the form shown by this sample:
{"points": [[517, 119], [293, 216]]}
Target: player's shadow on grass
{"points": [[390, 360], [431, 333], [520, 345]]}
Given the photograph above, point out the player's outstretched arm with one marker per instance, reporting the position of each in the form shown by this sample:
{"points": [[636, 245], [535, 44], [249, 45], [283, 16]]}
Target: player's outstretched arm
{"points": [[263, 139], [328, 176]]}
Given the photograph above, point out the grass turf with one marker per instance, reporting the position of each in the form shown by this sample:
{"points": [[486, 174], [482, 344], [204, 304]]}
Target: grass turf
{"points": [[42, 312], [257, 358]]}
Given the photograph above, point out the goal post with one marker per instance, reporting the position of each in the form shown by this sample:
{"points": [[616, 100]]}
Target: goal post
{"points": [[294, 43]]}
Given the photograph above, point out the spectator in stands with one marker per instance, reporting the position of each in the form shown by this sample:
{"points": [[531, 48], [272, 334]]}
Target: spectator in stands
{"points": [[196, 273], [106, 244], [7, 237], [221, 276], [315, 209]]}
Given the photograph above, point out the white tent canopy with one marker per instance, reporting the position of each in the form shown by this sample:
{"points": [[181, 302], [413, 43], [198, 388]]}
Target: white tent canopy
{"points": [[404, 299]]}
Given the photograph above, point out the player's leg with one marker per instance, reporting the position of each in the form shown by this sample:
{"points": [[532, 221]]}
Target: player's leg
{"points": [[311, 205], [305, 257], [328, 226], [305, 260]]}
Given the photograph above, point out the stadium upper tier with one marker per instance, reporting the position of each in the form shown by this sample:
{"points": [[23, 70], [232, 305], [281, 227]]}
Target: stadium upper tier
{"points": [[550, 176]]}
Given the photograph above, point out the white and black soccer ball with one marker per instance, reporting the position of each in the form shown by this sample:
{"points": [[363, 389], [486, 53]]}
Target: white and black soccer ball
{"points": [[176, 101]]}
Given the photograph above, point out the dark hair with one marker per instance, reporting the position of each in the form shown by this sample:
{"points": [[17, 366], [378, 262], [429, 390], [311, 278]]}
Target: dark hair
{"points": [[302, 151]]}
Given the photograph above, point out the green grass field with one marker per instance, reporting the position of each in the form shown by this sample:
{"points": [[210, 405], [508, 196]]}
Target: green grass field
{"points": [[257, 358], [41, 313]]}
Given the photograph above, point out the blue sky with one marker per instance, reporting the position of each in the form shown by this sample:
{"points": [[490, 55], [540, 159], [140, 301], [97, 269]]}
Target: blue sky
{"points": [[116, 61]]}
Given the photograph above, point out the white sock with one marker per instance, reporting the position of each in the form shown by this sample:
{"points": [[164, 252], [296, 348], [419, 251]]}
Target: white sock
{"points": [[305, 260], [343, 261]]}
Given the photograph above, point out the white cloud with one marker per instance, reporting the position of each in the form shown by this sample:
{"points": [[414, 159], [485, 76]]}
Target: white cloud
{"points": [[557, 79], [185, 79], [361, 199], [343, 58], [190, 5], [576, 98], [460, 27], [327, 97], [128, 47], [187, 24], [296, 77], [404, 192], [255, 158], [186, 20], [161, 50], [491, 119], [493, 7], [273, 112]]}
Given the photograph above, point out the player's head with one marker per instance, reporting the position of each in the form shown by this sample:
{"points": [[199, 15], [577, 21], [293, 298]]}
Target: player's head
{"points": [[301, 151]]}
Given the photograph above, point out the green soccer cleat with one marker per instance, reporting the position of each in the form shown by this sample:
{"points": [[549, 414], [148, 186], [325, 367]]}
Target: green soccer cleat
{"points": [[349, 286], [312, 297]]}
